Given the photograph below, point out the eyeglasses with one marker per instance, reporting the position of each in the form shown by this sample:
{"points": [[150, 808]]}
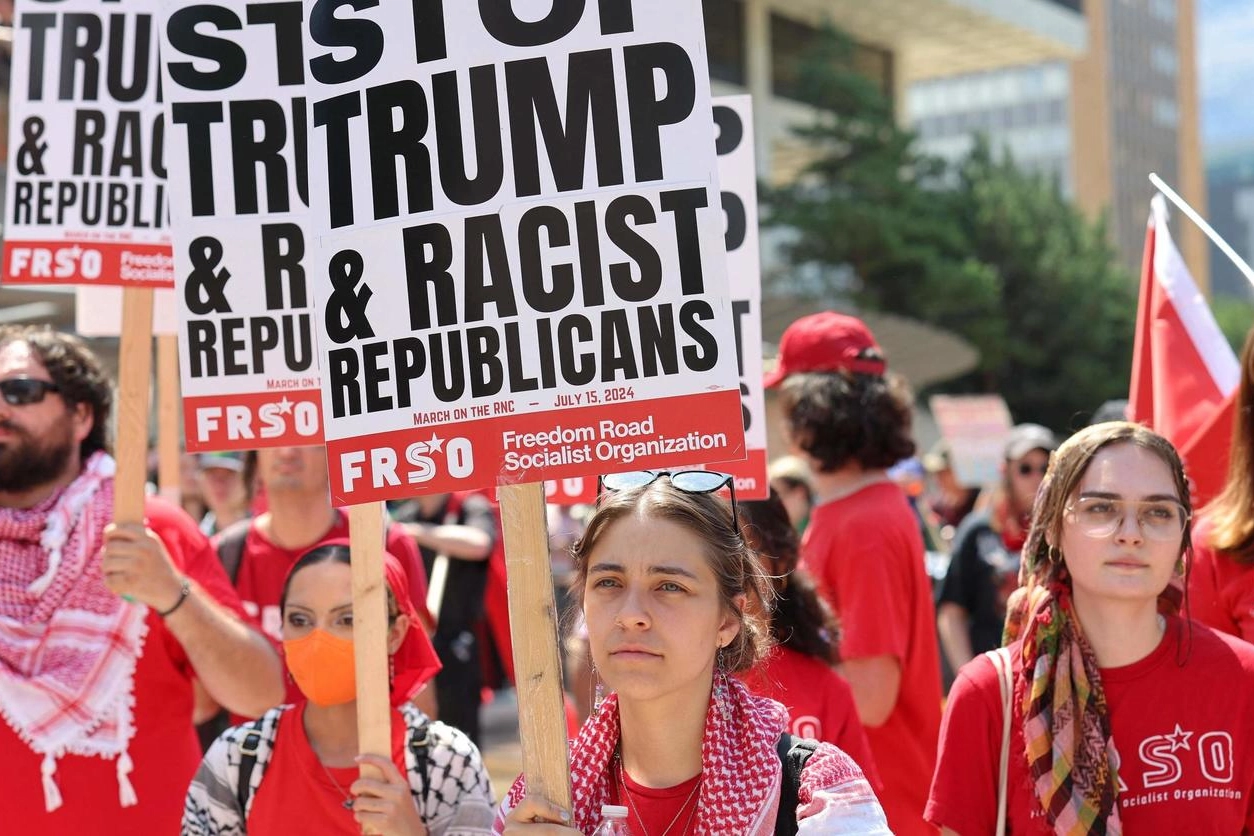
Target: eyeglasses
{"points": [[1028, 469], [688, 481], [20, 391], [1159, 519]]}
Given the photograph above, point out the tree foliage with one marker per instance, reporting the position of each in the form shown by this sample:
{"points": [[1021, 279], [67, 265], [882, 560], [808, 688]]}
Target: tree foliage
{"points": [[983, 249]]}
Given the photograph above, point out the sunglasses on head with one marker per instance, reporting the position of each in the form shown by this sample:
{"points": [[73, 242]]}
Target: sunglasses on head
{"points": [[688, 481], [20, 391]]}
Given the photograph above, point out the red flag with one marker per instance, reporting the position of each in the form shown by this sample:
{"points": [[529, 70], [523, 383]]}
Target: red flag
{"points": [[1184, 373]]}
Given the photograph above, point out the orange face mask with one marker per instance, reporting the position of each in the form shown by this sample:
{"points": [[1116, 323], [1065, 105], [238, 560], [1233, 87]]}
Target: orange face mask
{"points": [[323, 666]]}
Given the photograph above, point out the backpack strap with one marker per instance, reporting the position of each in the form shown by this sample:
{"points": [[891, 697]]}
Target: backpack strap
{"points": [[419, 764], [793, 754], [230, 544], [255, 748]]}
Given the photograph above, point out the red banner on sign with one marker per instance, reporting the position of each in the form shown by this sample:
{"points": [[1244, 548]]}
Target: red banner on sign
{"points": [[532, 447], [749, 473], [97, 263], [246, 421]]}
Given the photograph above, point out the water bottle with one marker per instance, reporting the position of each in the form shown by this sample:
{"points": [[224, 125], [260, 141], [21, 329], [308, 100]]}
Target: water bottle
{"points": [[613, 821]]}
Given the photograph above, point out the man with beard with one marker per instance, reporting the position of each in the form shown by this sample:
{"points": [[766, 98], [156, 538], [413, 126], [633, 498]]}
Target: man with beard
{"points": [[109, 633]]}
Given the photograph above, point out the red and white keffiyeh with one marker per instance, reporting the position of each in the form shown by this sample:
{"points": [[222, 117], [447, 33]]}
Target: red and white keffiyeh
{"points": [[740, 767], [68, 646]]}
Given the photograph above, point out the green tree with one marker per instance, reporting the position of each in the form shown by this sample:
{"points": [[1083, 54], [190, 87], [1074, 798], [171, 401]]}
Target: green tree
{"points": [[985, 250]]}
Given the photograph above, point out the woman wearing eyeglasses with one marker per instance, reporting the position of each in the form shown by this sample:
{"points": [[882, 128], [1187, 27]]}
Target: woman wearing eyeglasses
{"points": [[984, 563], [1121, 718], [663, 576]]}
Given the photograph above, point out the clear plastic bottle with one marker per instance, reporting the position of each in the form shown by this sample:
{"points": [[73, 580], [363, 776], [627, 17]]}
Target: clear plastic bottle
{"points": [[613, 822]]}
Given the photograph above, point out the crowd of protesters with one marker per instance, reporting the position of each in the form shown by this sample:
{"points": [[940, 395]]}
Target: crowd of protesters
{"points": [[733, 667]]}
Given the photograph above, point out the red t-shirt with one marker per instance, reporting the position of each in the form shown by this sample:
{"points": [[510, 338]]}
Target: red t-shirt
{"points": [[264, 566], [819, 702], [164, 750], [294, 772], [1184, 736], [1221, 589], [653, 810], [866, 553]]}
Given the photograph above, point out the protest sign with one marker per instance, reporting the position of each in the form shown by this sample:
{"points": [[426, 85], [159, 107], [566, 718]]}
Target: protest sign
{"points": [[521, 271], [975, 427], [235, 105], [733, 119], [85, 197], [169, 436]]}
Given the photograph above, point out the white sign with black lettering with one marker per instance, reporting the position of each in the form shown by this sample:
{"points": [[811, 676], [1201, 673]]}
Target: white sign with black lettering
{"points": [[235, 98], [85, 194], [521, 272]]}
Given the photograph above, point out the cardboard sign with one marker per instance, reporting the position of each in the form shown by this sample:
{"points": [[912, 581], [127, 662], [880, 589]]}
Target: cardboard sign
{"points": [[521, 261], [733, 118], [98, 311], [235, 103], [85, 199], [975, 427]]}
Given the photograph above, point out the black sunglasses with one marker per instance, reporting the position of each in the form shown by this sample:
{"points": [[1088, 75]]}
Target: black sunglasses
{"points": [[20, 391], [1026, 469], [688, 481]]}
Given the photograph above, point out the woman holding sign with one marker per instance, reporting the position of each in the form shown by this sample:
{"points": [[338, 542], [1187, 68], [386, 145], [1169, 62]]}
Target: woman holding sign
{"points": [[1111, 713], [663, 578], [300, 763]]}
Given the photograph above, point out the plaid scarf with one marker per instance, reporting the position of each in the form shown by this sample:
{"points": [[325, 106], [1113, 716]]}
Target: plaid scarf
{"points": [[740, 768], [1066, 724], [68, 646]]}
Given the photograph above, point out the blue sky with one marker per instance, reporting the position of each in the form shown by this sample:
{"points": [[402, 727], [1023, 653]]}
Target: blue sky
{"points": [[1226, 70]]}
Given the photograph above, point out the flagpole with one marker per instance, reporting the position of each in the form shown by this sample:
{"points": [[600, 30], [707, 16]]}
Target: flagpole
{"points": [[1192, 214]]}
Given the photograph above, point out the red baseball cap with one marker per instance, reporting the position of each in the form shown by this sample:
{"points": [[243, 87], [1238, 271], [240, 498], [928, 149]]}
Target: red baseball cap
{"points": [[826, 342]]}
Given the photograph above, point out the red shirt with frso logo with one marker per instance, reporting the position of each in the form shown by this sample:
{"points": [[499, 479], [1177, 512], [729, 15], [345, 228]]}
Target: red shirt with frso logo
{"points": [[264, 566], [1184, 733], [866, 553], [819, 702]]}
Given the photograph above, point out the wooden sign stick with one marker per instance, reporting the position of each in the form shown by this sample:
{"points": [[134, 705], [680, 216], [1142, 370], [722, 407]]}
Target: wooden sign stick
{"points": [[370, 634], [168, 429], [533, 625], [134, 382]]}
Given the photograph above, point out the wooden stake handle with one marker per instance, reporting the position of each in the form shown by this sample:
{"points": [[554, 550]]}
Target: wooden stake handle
{"points": [[168, 429], [370, 634], [533, 626], [134, 382]]}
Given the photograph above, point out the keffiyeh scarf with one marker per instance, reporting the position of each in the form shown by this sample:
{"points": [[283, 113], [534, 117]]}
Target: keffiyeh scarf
{"points": [[68, 646], [740, 766]]}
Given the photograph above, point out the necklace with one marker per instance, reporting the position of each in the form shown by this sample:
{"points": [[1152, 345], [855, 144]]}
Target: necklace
{"points": [[623, 783], [347, 803]]}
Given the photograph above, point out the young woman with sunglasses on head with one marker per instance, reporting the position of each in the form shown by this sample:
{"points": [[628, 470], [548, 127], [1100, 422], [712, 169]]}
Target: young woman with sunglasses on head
{"points": [[663, 579], [299, 763], [984, 562], [1124, 716], [1221, 577]]}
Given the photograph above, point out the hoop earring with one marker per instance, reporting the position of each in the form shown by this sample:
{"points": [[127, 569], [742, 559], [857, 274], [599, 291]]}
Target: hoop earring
{"points": [[722, 691], [598, 691], [1055, 556]]}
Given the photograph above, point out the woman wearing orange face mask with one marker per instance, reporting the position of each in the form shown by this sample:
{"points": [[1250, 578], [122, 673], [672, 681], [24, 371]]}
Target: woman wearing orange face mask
{"points": [[299, 762]]}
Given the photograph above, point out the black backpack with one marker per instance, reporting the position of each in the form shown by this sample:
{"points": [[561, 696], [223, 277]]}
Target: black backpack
{"points": [[793, 754]]}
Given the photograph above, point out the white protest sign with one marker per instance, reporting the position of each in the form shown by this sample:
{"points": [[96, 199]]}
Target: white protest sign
{"points": [[85, 198], [975, 427], [98, 311], [521, 262], [733, 118], [235, 99]]}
